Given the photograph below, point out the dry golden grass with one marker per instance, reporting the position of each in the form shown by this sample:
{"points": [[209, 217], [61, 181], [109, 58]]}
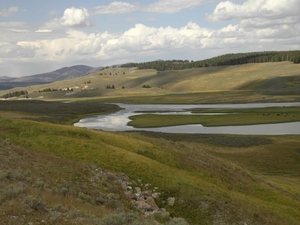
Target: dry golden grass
{"points": [[129, 81]]}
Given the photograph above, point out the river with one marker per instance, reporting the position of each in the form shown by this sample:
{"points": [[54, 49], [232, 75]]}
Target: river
{"points": [[118, 121]]}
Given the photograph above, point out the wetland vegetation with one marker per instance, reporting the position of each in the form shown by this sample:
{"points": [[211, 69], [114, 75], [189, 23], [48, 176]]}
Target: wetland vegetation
{"points": [[219, 117]]}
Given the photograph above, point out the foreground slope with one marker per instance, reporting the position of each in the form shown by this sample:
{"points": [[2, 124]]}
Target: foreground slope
{"points": [[215, 179]]}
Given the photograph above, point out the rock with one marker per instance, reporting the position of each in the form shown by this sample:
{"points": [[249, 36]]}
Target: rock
{"points": [[124, 185], [143, 206], [138, 191], [147, 193], [179, 221], [171, 201], [150, 201], [155, 195], [130, 195]]}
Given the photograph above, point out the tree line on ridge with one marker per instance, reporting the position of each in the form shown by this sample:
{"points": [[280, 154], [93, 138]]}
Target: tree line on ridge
{"points": [[223, 60]]}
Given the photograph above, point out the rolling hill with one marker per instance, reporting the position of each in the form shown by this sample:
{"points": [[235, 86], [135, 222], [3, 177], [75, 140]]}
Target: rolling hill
{"points": [[60, 74], [277, 78]]}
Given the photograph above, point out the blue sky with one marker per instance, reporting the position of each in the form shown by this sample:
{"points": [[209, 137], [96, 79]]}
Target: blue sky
{"points": [[40, 36]]}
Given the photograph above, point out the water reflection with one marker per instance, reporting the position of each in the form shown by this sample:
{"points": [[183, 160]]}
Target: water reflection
{"points": [[118, 121]]}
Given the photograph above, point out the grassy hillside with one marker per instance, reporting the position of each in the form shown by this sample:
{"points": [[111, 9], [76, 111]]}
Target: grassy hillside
{"points": [[215, 179], [40, 188], [262, 79]]}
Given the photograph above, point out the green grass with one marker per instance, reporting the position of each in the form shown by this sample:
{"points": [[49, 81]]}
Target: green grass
{"points": [[55, 112], [232, 117], [37, 186], [205, 178]]}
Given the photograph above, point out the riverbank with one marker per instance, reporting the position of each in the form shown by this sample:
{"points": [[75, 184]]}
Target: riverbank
{"points": [[258, 118]]}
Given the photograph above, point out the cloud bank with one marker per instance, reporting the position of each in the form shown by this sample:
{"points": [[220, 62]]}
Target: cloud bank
{"points": [[273, 9]]}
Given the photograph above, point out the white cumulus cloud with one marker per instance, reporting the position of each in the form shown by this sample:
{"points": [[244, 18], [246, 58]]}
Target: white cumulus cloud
{"points": [[142, 38], [255, 8], [74, 17]]}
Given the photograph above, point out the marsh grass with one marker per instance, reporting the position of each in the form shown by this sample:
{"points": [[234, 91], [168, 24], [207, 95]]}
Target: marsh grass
{"points": [[54, 112], [230, 118]]}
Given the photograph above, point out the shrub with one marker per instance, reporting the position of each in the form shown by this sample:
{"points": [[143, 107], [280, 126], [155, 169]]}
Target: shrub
{"points": [[60, 208], [60, 190], [85, 197], [23, 175], [4, 174], [14, 190], [34, 203], [161, 218], [177, 221], [76, 214], [40, 184], [114, 219]]}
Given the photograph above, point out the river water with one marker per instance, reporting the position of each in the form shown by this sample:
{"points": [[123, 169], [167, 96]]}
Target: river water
{"points": [[118, 121]]}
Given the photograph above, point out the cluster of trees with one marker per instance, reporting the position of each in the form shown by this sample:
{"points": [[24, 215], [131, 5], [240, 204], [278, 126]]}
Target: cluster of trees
{"points": [[110, 87], [48, 90], [54, 89], [146, 86], [160, 65], [110, 73], [223, 60], [14, 94], [113, 87]]}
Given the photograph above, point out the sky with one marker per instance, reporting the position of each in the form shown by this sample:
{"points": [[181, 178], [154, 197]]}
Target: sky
{"points": [[41, 36]]}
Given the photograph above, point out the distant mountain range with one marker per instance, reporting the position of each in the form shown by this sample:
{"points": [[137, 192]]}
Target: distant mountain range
{"points": [[64, 73]]}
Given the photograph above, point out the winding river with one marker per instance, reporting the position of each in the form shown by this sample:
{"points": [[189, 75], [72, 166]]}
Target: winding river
{"points": [[118, 121]]}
